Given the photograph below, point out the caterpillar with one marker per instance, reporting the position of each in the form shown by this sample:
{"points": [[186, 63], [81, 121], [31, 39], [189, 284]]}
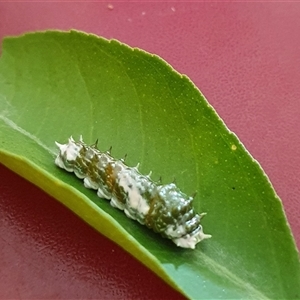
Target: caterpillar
{"points": [[163, 208]]}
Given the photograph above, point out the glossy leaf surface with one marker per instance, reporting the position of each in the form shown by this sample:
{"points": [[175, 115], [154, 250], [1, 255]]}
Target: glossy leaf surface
{"points": [[55, 84]]}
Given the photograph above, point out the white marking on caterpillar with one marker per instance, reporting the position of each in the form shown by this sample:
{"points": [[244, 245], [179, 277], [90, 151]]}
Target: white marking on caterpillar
{"points": [[163, 208]]}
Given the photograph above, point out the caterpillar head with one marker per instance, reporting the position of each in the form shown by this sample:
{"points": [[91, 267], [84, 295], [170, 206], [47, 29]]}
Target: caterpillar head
{"points": [[172, 214]]}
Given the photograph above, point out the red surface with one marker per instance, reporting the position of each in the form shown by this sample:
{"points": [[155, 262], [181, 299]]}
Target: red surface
{"points": [[245, 59]]}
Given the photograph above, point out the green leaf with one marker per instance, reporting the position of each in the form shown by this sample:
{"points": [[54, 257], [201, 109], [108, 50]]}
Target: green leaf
{"points": [[57, 84]]}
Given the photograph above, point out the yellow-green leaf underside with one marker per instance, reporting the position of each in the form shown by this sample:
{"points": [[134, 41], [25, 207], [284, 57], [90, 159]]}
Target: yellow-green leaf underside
{"points": [[57, 84]]}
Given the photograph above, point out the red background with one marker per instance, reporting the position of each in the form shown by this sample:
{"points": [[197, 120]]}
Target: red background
{"points": [[245, 58]]}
